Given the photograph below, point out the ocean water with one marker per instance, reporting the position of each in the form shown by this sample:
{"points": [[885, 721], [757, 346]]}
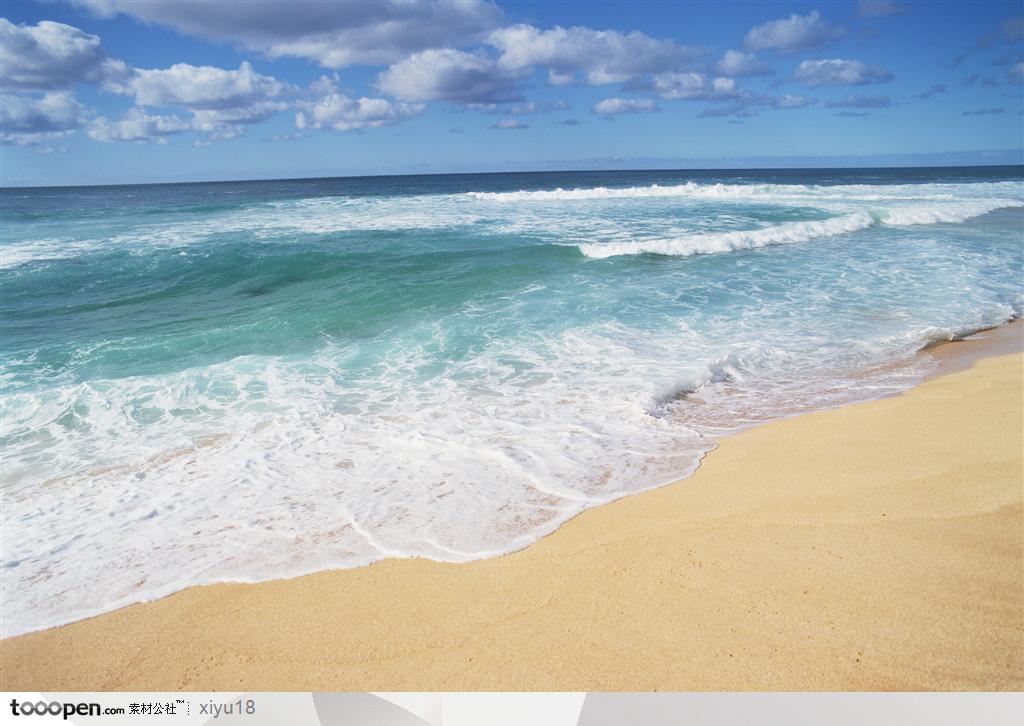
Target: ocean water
{"points": [[243, 381]]}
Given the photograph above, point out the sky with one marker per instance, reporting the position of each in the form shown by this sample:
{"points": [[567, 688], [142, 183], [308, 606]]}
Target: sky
{"points": [[128, 91]]}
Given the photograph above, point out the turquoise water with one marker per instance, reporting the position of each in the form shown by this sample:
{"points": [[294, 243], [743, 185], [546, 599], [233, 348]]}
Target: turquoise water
{"points": [[239, 381]]}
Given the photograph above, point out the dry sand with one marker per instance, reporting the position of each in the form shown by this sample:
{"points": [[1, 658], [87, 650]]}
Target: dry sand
{"points": [[877, 546]]}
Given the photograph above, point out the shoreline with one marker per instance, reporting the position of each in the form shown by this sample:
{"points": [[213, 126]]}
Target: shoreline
{"points": [[953, 356], [65, 657]]}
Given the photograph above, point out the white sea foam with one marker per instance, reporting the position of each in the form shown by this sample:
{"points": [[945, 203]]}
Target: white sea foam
{"points": [[946, 213], [794, 232], [495, 212], [707, 244], [265, 467], [866, 192]]}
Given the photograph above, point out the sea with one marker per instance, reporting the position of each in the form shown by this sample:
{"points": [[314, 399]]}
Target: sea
{"points": [[242, 381]]}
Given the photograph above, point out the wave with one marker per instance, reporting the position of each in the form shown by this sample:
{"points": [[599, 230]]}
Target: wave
{"points": [[946, 213], [706, 244], [862, 192], [653, 190], [795, 232]]}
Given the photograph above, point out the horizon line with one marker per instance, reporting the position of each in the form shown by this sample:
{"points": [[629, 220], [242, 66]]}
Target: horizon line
{"points": [[392, 175]]}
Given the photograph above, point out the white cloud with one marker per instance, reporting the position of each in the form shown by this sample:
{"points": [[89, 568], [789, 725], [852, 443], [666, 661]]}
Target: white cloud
{"points": [[788, 35], [221, 100], [691, 85], [449, 75], [1017, 71], [50, 56], [339, 112], [615, 106], [206, 119], [601, 56], [737, 63], [54, 55], [334, 34], [227, 123], [839, 72], [30, 120], [203, 87], [136, 126], [509, 124]]}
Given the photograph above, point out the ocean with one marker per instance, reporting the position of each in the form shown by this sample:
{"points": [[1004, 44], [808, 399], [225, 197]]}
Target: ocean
{"points": [[242, 381]]}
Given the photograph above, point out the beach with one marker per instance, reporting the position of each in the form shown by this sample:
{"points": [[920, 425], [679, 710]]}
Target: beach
{"points": [[876, 546], [254, 381]]}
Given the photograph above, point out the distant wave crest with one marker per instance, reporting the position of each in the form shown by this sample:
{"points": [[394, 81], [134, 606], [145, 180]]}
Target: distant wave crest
{"points": [[795, 232], [706, 244]]}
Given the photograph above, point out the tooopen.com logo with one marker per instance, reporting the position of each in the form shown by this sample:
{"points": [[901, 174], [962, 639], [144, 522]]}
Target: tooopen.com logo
{"points": [[56, 708]]}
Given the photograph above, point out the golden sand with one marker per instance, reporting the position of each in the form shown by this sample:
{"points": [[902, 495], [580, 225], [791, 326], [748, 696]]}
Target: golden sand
{"points": [[877, 546]]}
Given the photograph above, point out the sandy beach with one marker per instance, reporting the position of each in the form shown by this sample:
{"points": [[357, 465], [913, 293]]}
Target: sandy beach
{"points": [[876, 546]]}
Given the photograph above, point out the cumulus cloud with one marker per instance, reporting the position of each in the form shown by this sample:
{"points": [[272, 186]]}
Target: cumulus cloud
{"points": [[341, 113], [600, 56], [449, 75], [206, 119], [227, 123], [1017, 71], [736, 63], [137, 126], [839, 72], [879, 8], [861, 102], [51, 56], [54, 56], [789, 35], [221, 100], [203, 87], [30, 120], [691, 86], [509, 124], [334, 34], [616, 106]]}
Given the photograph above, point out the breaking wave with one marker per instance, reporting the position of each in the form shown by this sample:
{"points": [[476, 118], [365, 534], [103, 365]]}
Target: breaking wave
{"points": [[794, 232]]}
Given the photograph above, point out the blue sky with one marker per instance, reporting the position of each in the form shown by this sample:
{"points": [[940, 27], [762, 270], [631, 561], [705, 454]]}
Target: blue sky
{"points": [[106, 91]]}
